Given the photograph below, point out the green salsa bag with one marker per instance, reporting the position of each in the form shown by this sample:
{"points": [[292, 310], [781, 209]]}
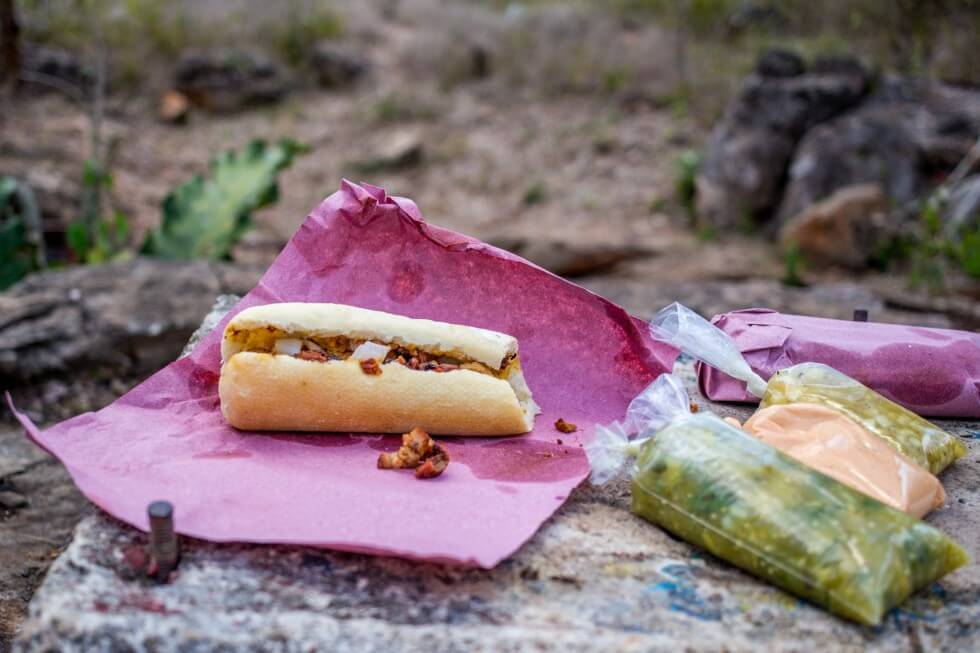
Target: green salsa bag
{"points": [[747, 503], [815, 383]]}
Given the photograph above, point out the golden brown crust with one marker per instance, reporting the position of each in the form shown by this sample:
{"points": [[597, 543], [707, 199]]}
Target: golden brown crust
{"points": [[271, 392]]}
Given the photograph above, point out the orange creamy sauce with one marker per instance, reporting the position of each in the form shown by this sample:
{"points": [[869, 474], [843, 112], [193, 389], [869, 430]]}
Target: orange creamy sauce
{"points": [[839, 447]]}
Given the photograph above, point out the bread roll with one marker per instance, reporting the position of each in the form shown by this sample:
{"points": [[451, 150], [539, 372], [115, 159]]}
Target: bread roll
{"points": [[306, 367]]}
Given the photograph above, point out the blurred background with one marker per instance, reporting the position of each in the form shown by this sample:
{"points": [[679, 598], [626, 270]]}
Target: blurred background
{"points": [[809, 156]]}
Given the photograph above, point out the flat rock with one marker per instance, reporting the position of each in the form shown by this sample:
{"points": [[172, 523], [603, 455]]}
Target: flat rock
{"points": [[594, 578], [572, 258], [39, 507], [224, 80], [845, 229], [74, 339]]}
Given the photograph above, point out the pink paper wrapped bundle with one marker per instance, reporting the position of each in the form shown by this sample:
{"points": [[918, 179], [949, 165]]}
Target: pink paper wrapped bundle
{"points": [[933, 372], [584, 358]]}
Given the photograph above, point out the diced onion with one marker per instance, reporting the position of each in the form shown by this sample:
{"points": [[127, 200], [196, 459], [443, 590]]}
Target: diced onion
{"points": [[288, 346], [369, 350]]}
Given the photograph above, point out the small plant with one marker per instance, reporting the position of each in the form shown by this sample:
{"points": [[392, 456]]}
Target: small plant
{"points": [[21, 245], [205, 218], [936, 248], [793, 265], [93, 237], [615, 79], [657, 204], [685, 184], [535, 194]]}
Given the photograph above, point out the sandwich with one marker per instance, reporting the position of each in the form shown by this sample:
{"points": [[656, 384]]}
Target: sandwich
{"points": [[331, 367]]}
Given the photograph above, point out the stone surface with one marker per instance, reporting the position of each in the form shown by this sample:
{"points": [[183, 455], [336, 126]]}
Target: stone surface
{"points": [[594, 578], [833, 300], [962, 211], [750, 149], [337, 66], [55, 65], [226, 80], [780, 63], [845, 229], [39, 507], [402, 149], [572, 259], [908, 133], [73, 340]]}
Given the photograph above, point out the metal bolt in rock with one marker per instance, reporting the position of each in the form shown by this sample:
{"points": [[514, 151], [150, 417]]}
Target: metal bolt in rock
{"points": [[860, 315], [163, 540]]}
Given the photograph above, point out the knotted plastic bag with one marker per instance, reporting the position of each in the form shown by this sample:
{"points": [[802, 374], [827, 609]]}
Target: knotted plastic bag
{"points": [[719, 488], [917, 439]]}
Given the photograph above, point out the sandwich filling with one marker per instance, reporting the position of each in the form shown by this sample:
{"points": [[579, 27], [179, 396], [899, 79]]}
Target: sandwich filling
{"points": [[323, 349]]}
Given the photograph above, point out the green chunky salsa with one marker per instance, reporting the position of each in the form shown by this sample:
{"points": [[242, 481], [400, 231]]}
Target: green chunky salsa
{"points": [[745, 502], [918, 439]]}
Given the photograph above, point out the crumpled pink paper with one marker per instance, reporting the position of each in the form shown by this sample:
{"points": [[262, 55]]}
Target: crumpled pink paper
{"points": [[584, 359], [933, 372]]}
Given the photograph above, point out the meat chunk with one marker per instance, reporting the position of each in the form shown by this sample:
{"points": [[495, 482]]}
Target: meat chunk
{"points": [[565, 427], [310, 355], [419, 452]]}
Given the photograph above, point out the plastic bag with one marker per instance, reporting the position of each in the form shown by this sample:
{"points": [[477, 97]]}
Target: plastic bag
{"points": [[833, 444], [917, 439], [743, 501]]}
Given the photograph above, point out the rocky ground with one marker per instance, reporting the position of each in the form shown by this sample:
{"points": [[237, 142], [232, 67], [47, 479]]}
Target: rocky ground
{"points": [[530, 131]]}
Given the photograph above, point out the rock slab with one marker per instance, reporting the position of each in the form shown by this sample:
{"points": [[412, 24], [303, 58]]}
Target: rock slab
{"points": [[594, 578]]}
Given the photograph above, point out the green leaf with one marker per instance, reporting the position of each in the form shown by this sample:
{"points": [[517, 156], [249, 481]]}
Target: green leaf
{"points": [[14, 264], [77, 238], [121, 221], [205, 218]]}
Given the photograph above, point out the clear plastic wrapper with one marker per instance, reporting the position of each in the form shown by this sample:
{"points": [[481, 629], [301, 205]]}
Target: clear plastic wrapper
{"points": [[835, 445], [917, 439], [719, 488]]}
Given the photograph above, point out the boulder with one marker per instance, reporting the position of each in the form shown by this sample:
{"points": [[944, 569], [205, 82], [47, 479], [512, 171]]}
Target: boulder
{"points": [[871, 145], [174, 107], [402, 149], [73, 339], [780, 63], [224, 80], [844, 230], [962, 210], [750, 149], [909, 133], [337, 66], [56, 65]]}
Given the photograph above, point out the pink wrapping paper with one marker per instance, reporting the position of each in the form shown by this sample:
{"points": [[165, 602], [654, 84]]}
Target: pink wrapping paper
{"points": [[584, 359], [933, 372]]}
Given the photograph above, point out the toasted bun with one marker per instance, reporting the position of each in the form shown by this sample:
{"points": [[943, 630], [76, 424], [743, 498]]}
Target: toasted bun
{"points": [[269, 392], [328, 320]]}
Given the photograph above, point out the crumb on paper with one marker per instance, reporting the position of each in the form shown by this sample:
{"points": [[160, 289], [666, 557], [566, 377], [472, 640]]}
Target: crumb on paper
{"points": [[419, 452], [565, 427], [694, 406], [370, 366], [559, 441]]}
